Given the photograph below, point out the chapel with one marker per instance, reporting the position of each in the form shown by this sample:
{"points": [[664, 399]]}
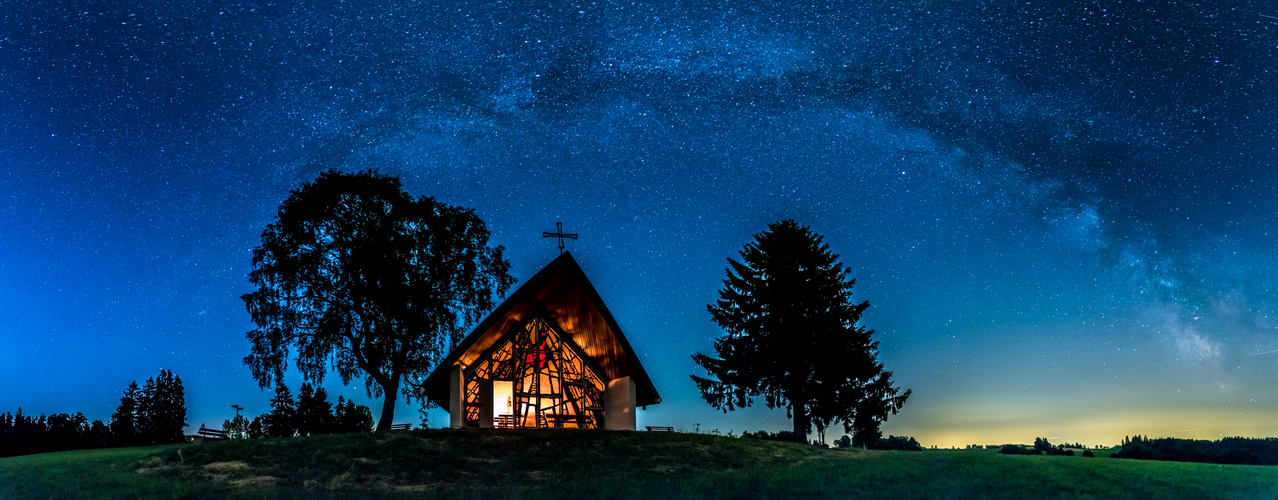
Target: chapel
{"points": [[551, 355]]}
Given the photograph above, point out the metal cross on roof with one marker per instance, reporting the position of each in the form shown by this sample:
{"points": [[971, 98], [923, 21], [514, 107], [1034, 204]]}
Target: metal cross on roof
{"points": [[559, 233]]}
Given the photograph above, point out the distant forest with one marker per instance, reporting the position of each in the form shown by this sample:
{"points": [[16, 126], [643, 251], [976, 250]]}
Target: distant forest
{"points": [[1230, 450], [152, 414], [155, 413], [24, 434]]}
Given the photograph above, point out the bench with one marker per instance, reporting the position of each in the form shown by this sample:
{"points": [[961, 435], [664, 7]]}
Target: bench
{"points": [[656, 428], [212, 434], [559, 419], [401, 427]]}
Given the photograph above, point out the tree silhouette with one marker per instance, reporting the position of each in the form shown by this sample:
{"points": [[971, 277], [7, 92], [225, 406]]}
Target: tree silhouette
{"points": [[282, 420], [314, 413], [165, 408], [792, 337], [123, 424], [236, 428], [358, 275], [257, 428], [99, 435], [349, 418], [160, 413]]}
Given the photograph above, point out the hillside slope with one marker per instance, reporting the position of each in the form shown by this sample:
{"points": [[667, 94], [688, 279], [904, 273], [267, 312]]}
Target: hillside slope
{"points": [[601, 464]]}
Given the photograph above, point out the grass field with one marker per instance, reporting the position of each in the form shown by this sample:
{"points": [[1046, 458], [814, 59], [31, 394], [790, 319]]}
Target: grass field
{"points": [[599, 464]]}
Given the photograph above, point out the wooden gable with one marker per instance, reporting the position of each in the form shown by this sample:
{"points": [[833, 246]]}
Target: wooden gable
{"points": [[561, 294]]}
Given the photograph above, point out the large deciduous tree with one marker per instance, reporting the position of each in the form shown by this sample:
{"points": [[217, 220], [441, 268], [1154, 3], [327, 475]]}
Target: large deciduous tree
{"points": [[792, 337], [357, 276]]}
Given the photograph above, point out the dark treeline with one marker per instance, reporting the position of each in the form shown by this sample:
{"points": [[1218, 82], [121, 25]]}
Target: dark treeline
{"points": [[890, 443], [152, 414], [309, 414], [770, 436], [901, 443], [22, 434], [1041, 447], [1230, 450]]}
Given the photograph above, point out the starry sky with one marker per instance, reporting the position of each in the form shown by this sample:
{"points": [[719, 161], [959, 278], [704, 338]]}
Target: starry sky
{"points": [[1062, 213]]}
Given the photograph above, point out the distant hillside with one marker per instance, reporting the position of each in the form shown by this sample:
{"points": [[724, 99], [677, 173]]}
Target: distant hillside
{"points": [[597, 464]]}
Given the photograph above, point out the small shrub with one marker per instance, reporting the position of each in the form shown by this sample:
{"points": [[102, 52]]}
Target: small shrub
{"points": [[1088, 453]]}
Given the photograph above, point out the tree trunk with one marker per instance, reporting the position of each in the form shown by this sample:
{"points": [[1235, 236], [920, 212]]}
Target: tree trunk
{"points": [[802, 421], [391, 392]]}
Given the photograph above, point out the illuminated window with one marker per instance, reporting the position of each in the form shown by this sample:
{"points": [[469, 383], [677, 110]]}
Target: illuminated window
{"points": [[539, 380]]}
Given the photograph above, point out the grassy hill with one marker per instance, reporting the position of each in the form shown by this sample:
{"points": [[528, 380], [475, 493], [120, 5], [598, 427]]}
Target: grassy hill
{"points": [[597, 464]]}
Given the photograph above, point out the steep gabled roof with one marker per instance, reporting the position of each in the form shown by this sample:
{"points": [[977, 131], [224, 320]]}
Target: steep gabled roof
{"points": [[562, 293]]}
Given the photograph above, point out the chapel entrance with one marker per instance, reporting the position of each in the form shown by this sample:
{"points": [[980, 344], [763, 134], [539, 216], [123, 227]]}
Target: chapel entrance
{"points": [[534, 378]]}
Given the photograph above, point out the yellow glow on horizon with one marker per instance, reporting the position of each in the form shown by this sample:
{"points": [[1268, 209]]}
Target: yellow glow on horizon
{"points": [[1091, 427]]}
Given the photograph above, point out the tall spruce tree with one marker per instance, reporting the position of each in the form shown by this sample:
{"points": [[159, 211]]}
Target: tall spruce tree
{"points": [[349, 418], [123, 424], [143, 429], [343, 421], [168, 409], [159, 412], [314, 413], [357, 276], [282, 420], [792, 337]]}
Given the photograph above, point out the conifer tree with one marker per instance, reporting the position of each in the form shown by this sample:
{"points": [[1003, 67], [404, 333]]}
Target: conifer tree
{"points": [[793, 338], [100, 434], [159, 413], [168, 409], [123, 424], [339, 416], [281, 421], [257, 428], [314, 413], [350, 418], [142, 414]]}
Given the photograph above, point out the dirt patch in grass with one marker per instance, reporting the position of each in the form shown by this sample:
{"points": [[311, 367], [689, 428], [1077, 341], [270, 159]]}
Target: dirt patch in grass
{"points": [[255, 482], [225, 467], [226, 471]]}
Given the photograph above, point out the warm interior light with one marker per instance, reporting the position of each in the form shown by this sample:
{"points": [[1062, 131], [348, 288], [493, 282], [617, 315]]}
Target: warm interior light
{"points": [[538, 355], [503, 402], [539, 380]]}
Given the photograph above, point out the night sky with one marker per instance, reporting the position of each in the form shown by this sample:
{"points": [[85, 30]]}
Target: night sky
{"points": [[1063, 216]]}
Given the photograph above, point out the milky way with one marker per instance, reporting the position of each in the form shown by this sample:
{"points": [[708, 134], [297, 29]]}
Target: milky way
{"points": [[1062, 215]]}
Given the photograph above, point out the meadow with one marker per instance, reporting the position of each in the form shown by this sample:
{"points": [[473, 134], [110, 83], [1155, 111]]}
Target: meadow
{"points": [[601, 464]]}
